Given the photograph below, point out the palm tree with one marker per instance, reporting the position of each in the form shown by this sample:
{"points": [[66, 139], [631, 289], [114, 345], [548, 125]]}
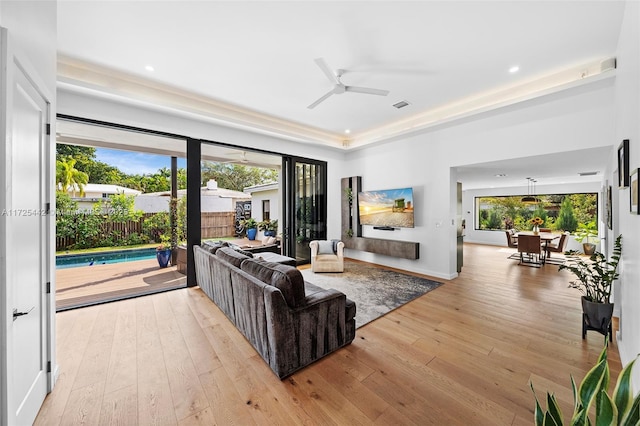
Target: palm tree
{"points": [[67, 176]]}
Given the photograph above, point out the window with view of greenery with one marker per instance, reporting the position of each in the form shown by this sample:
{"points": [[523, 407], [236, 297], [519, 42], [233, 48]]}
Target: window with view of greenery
{"points": [[559, 212]]}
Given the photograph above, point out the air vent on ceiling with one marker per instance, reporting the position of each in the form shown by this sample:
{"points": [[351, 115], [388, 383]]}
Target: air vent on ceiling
{"points": [[401, 104], [588, 173]]}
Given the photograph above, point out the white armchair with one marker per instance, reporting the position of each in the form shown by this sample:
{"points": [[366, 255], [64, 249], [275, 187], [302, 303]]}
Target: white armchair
{"points": [[327, 256]]}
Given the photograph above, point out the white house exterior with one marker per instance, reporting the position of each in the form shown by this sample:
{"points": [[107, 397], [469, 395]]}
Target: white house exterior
{"points": [[265, 203], [212, 199], [94, 192]]}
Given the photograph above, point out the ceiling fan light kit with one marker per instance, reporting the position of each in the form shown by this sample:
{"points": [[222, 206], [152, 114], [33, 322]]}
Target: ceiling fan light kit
{"points": [[340, 88]]}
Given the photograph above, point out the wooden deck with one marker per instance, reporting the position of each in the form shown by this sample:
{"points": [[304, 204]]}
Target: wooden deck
{"points": [[89, 285]]}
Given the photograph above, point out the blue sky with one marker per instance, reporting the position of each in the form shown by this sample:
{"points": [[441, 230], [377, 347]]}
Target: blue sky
{"points": [[136, 162]]}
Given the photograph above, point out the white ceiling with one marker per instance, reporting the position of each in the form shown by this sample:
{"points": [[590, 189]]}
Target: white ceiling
{"points": [[560, 168], [258, 57]]}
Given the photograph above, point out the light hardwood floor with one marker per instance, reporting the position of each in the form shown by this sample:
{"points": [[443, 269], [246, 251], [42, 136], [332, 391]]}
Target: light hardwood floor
{"points": [[463, 354]]}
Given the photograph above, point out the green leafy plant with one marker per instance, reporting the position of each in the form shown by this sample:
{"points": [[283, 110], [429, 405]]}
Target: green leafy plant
{"points": [[165, 242], [268, 225], [349, 193], [249, 223], [157, 225], [173, 221], [349, 232], [595, 275], [587, 232], [621, 408]]}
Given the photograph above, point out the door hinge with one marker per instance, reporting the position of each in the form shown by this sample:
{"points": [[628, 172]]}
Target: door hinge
{"points": [[48, 287], [48, 366], [48, 129], [48, 208]]}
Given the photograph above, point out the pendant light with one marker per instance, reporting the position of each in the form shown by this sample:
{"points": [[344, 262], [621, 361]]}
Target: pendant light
{"points": [[530, 198]]}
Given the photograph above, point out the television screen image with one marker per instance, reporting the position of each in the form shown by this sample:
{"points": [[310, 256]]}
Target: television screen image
{"points": [[387, 208]]}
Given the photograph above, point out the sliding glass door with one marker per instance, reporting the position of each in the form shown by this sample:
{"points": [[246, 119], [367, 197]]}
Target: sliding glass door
{"points": [[305, 201]]}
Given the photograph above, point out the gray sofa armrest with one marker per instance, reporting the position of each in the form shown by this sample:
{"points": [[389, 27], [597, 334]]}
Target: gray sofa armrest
{"points": [[204, 276], [300, 336]]}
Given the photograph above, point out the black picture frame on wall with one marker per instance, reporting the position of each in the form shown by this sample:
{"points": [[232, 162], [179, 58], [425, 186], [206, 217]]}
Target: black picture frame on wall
{"points": [[609, 208], [634, 193], [623, 164]]}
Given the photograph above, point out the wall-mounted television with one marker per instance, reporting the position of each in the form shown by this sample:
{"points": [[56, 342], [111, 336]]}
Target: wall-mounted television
{"points": [[389, 208]]}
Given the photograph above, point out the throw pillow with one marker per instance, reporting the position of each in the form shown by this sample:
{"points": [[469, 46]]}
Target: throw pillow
{"points": [[285, 278], [231, 256], [213, 247], [246, 253], [325, 247]]}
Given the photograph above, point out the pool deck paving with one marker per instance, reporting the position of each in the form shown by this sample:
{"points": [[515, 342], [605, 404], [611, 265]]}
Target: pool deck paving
{"points": [[88, 285]]}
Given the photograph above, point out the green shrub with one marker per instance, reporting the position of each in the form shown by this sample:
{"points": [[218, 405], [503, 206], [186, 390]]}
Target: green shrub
{"points": [[157, 225]]}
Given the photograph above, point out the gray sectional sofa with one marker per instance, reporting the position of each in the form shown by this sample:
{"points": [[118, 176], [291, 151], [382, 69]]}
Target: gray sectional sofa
{"points": [[290, 323]]}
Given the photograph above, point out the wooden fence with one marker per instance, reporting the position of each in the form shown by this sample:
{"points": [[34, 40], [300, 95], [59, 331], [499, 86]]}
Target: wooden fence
{"points": [[217, 224], [213, 225]]}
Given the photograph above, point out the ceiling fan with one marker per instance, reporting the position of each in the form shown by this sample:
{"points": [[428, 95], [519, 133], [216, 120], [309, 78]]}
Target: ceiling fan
{"points": [[244, 158], [339, 87]]}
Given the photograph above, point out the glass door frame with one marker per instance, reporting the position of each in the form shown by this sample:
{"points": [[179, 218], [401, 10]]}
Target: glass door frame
{"points": [[290, 193]]}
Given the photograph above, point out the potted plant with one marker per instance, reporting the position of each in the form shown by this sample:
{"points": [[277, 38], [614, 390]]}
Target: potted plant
{"points": [[591, 398], [585, 232], [163, 251], [270, 227], [595, 276], [251, 227]]}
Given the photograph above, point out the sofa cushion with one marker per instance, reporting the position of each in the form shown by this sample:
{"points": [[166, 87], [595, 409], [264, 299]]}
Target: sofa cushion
{"points": [[286, 278], [325, 247], [212, 247], [232, 256], [241, 251]]}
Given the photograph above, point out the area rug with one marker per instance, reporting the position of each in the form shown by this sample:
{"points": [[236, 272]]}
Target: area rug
{"points": [[376, 291]]}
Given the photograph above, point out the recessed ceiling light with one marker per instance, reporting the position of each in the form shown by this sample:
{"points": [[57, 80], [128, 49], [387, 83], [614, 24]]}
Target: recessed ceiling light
{"points": [[347, 131], [149, 68], [514, 69]]}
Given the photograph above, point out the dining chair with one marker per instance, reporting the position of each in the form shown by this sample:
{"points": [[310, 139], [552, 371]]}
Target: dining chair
{"points": [[531, 253], [557, 247]]}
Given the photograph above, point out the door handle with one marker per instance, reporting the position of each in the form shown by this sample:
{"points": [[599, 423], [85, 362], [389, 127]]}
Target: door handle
{"points": [[17, 314]]}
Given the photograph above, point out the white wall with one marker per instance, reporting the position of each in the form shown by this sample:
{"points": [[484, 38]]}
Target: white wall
{"points": [[627, 95], [217, 204], [577, 118], [151, 204]]}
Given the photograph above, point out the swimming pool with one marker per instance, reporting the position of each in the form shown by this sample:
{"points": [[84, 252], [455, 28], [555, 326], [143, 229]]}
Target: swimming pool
{"points": [[75, 260]]}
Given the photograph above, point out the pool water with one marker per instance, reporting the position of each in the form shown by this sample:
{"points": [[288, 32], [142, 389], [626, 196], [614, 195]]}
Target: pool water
{"points": [[98, 258]]}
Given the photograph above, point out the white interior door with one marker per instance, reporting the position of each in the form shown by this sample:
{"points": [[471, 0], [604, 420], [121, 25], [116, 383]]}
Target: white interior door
{"points": [[25, 250]]}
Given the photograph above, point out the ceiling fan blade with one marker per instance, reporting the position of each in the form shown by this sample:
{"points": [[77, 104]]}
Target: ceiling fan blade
{"points": [[333, 78], [315, 104], [366, 90]]}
